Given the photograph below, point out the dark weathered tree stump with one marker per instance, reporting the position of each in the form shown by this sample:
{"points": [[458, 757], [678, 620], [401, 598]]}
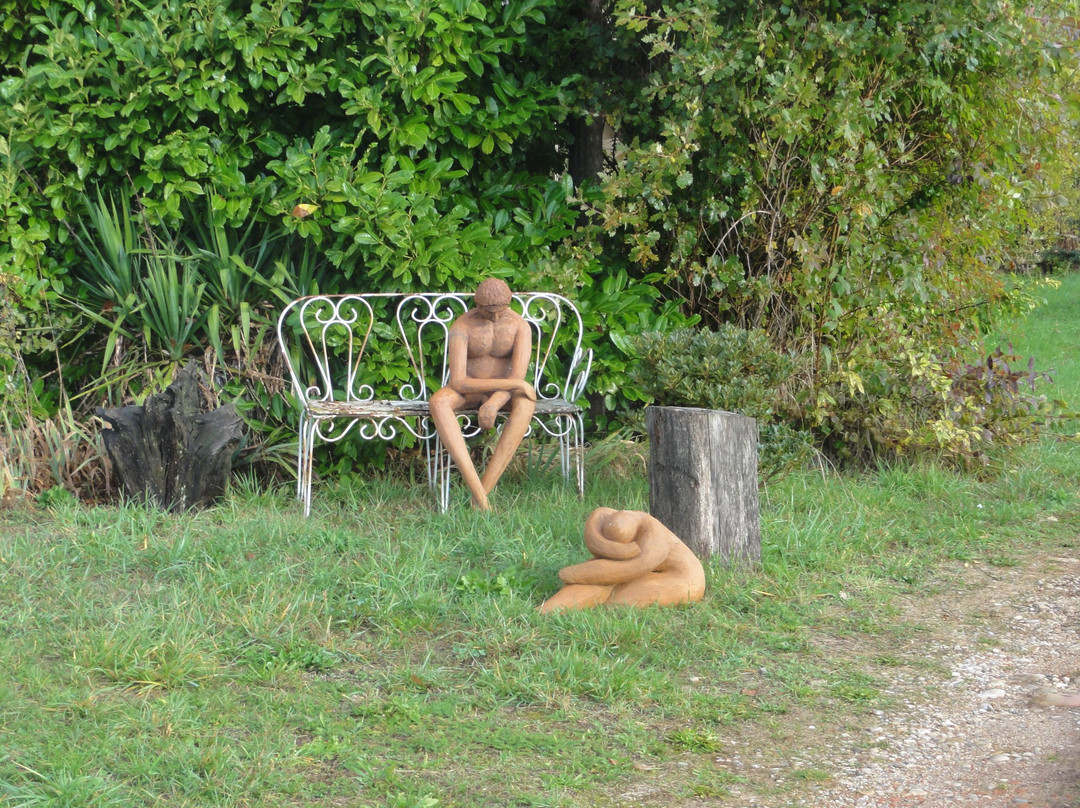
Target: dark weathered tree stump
{"points": [[703, 480], [169, 452]]}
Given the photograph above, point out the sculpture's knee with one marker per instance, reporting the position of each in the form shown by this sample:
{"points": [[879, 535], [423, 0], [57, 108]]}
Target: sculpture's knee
{"points": [[442, 402], [521, 406]]}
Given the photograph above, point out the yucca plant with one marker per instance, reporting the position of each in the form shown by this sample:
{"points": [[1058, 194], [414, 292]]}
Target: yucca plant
{"points": [[172, 303], [151, 298], [110, 276], [133, 284], [239, 267], [108, 280], [300, 271], [237, 262]]}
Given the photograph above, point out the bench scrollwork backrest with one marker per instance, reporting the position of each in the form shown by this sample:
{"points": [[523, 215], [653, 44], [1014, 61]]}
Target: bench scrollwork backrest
{"points": [[364, 347]]}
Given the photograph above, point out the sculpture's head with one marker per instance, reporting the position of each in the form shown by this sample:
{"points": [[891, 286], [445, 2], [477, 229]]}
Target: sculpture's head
{"points": [[492, 292], [492, 297], [621, 526]]}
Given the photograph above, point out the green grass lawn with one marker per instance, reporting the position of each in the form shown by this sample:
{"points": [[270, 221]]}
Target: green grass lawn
{"points": [[1050, 335], [383, 654]]}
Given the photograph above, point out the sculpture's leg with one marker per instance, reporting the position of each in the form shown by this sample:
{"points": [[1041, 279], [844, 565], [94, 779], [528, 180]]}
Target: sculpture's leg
{"points": [[655, 589], [513, 431], [576, 596], [443, 406]]}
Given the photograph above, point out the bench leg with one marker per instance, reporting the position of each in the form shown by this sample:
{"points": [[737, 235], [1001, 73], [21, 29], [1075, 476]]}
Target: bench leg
{"points": [[571, 449], [445, 464], [566, 444], [300, 459], [305, 462], [579, 453], [569, 430], [429, 454], [438, 463]]}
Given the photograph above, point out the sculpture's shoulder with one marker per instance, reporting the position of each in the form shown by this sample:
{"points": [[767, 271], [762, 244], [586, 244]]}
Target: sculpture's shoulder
{"points": [[518, 322], [462, 323], [646, 521]]}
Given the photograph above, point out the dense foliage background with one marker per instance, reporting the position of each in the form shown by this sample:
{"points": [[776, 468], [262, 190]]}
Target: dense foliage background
{"points": [[858, 179], [868, 184]]}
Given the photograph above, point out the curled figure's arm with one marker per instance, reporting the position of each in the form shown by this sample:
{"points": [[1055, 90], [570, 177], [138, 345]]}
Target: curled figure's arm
{"points": [[655, 546], [603, 547]]}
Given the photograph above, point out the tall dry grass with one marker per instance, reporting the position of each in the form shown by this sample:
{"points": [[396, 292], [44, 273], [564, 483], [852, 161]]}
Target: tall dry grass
{"points": [[37, 454]]}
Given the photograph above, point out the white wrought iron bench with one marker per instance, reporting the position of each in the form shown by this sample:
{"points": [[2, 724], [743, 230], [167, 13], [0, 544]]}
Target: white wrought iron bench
{"points": [[371, 361]]}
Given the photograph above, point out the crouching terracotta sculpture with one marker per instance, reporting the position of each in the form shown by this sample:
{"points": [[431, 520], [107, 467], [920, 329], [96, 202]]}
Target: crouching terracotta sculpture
{"points": [[638, 562]]}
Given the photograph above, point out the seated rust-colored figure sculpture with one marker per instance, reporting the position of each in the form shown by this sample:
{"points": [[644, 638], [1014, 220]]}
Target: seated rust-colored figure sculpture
{"points": [[638, 562], [488, 353]]}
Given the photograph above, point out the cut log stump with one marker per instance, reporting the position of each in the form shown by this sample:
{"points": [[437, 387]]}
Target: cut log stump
{"points": [[169, 452], [703, 480]]}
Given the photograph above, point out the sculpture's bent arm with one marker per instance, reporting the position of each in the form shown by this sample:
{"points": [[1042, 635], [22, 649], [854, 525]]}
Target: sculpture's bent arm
{"points": [[522, 355], [655, 546], [461, 382], [603, 547]]}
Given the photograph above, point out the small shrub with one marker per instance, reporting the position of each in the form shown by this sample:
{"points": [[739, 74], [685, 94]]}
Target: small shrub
{"points": [[953, 408], [56, 497], [515, 579], [908, 398], [1000, 400], [731, 369], [695, 740], [294, 655]]}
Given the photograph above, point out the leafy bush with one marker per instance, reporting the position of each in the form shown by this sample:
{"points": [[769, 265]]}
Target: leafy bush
{"points": [[916, 402], [828, 162], [731, 369], [409, 145], [174, 170], [825, 164], [415, 134]]}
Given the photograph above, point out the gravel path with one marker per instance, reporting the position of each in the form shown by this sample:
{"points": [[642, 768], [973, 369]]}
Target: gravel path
{"points": [[984, 710], [1003, 730]]}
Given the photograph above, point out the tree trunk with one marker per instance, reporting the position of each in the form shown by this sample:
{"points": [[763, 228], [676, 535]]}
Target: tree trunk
{"points": [[587, 149], [703, 480], [169, 452]]}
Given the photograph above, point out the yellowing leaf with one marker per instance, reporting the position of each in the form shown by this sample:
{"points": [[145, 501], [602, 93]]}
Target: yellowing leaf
{"points": [[302, 211]]}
